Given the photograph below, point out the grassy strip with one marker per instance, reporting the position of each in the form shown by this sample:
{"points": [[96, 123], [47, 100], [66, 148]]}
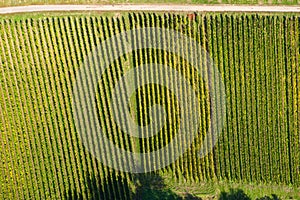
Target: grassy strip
{"points": [[37, 2]]}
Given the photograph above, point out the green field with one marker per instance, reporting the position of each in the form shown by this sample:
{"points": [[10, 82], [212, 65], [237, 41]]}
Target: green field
{"points": [[264, 2], [42, 156]]}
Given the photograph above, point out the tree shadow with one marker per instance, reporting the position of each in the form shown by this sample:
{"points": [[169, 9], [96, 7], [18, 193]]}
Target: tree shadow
{"points": [[234, 194], [274, 197], [149, 186], [111, 187]]}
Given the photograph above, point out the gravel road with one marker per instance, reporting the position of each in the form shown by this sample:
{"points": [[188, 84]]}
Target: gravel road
{"points": [[150, 7]]}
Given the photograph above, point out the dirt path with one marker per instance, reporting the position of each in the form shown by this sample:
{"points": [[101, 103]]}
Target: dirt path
{"points": [[140, 7]]}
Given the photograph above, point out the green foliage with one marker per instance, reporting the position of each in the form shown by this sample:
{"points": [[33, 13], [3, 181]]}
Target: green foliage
{"points": [[34, 2], [42, 155]]}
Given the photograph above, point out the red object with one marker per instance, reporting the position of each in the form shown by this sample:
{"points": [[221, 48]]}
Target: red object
{"points": [[191, 16]]}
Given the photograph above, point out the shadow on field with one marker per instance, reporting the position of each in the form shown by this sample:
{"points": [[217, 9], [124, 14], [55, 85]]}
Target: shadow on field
{"points": [[234, 194], [147, 187], [98, 187], [274, 197], [151, 187]]}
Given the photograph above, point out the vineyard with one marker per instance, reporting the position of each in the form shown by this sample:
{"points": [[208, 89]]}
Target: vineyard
{"points": [[265, 2], [43, 156]]}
